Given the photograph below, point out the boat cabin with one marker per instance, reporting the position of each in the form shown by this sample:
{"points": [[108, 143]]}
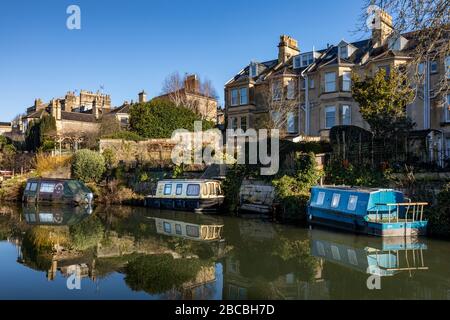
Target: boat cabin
{"points": [[200, 194], [384, 212], [61, 191]]}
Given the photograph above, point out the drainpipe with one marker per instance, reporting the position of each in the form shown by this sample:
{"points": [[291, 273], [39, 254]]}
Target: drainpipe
{"points": [[307, 109], [426, 96]]}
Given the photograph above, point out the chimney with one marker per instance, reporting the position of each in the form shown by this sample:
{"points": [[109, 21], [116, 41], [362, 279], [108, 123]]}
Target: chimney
{"points": [[142, 97], [95, 110], [382, 28], [56, 109], [192, 84], [287, 48]]}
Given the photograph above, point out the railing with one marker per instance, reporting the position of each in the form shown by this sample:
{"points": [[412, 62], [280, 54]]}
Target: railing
{"points": [[416, 215]]}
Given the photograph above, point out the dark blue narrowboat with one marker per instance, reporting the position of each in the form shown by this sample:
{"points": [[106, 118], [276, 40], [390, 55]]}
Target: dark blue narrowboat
{"points": [[378, 212]]}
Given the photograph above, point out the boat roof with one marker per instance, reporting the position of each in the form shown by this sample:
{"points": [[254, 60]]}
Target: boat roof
{"points": [[188, 180], [51, 179], [354, 189]]}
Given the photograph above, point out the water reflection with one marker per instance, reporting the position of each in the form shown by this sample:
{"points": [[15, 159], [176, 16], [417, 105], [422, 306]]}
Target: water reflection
{"points": [[137, 253]]}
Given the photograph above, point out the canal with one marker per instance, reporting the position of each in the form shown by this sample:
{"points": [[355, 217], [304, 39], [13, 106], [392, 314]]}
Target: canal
{"points": [[138, 253]]}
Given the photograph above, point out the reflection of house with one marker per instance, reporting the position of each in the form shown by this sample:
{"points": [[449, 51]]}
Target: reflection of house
{"points": [[286, 287]]}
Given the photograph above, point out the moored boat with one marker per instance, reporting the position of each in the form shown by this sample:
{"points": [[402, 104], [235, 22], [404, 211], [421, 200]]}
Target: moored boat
{"points": [[57, 191], [378, 212], [191, 195]]}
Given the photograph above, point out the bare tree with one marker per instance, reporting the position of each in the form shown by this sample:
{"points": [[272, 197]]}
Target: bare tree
{"points": [[428, 19], [173, 87], [280, 105]]}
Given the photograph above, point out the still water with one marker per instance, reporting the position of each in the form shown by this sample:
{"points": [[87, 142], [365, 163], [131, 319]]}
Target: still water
{"points": [[139, 253]]}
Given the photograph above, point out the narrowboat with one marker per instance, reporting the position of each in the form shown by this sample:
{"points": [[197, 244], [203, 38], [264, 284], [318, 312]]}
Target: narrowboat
{"points": [[57, 191], [256, 197], [54, 215], [378, 212], [187, 195]]}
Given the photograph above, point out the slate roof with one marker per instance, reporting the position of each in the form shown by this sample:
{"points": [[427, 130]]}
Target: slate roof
{"points": [[76, 116], [125, 108]]}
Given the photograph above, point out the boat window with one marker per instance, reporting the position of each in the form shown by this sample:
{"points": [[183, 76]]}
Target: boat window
{"points": [[33, 186], [178, 228], [211, 189], [179, 189], [47, 187], [352, 257], [193, 190], [335, 201], [320, 249], [335, 253], [167, 227], [352, 201], [28, 186], [192, 231], [205, 190], [167, 189], [218, 192], [45, 217], [320, 198]]}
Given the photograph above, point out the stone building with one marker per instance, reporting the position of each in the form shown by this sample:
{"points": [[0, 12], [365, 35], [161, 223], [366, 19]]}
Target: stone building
{"points": [[5, 127], [319, 82], [192, 96]]}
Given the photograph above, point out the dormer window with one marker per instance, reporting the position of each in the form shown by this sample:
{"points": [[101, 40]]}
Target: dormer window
{"points": [[343, 52], [297, 62], [397, 43], [253, 70], [307, 59]]}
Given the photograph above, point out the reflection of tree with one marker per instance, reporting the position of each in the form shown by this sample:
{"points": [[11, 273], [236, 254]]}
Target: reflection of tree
{"points": [[160, 273], [87, 234]]}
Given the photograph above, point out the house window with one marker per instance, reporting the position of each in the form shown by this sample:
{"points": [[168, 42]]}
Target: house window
{"points": [[343, 51], [167, 227], [346, 81], [167, 189], [244, 123], [421, 68], [346, 118], [447, 109], [291, 123], [352, 201], [47, 188], [330, 117], [124, 121], [192, 231], [330, 81], [193, 190], [447, 66], [253, 70], [311, 83], [433, 67], [297, 62], [179, 190], [291, 90], [448, 147], [178, 228], [335, 200], [233, 123], [307, 59], [304, 84], [234, 97], [243, 96], [276, 116], [387, 70], [276, 90], [320, 198]]}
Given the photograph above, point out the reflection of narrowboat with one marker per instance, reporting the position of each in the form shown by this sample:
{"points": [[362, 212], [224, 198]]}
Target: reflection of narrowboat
{"points": [[382, 257], [196, 195], [199, 232], [57, 191], [379, 212], [55, 215]]}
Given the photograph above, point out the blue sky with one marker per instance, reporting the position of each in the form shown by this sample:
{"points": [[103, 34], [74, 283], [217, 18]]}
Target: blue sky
{"points": [[127, 46]]}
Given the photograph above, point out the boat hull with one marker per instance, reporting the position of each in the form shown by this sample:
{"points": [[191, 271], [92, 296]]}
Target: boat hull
{"points": [[197, 205], [360, 225]]}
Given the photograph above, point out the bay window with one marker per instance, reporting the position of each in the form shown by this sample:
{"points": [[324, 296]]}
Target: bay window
{"points": [[346, 118], [243, 96], [276, 90], [346, 81], [291, 90], [292, 122], [447, 109], [234, 97], [330, 117], [330, 82]]}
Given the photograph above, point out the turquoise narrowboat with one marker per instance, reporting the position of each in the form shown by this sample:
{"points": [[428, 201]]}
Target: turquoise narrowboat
{"points": [[378, 212], [57, 191], [187, 195]]}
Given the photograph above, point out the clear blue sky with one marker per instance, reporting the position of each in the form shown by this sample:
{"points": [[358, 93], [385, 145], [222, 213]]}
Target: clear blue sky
{"points": [[127, 46]]}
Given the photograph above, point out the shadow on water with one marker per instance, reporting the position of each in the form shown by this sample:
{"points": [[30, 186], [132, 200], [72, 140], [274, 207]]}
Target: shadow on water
{"points": [[127, 252]]}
